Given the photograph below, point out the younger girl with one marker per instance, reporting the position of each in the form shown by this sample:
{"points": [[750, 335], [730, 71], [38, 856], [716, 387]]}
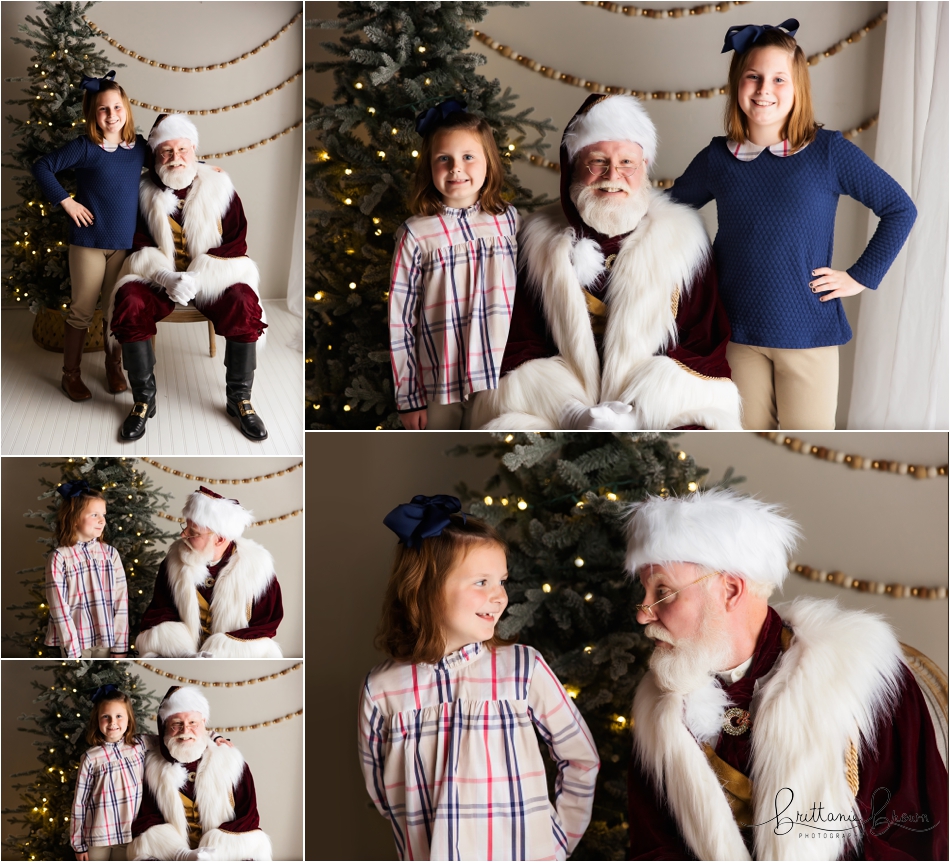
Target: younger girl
{"points": [[776, 178], [447, 727], [453, 273], [108, 161], [85, 581]]}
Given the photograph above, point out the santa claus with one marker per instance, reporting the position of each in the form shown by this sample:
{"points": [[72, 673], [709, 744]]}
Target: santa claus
{"points": [[190, 247], [198, 800], [216, 594], [617, 322]]}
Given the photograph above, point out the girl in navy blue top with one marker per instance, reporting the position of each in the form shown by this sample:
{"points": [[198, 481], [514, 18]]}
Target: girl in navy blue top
{"points": [[108, 161], [776, 178]]}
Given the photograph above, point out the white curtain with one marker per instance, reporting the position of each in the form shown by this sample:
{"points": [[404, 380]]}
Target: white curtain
{"points": [[902, 363], [295, 304]]}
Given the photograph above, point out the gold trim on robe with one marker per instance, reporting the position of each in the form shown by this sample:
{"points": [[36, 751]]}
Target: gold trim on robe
{"points": [[193, 819]]}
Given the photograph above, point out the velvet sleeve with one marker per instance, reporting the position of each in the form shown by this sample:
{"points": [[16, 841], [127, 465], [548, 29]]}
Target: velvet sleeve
{"points": [[702, 326], [149, 814], [692, 187], [653, 832], [142, 237], [528, 336], [903, 784], [233, 232], [266, 615], [162, 608], [246, 817]]}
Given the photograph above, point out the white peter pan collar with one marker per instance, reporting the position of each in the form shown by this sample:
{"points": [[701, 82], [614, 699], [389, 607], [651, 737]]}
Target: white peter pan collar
{"points": [[747, 151], [111, 148]]}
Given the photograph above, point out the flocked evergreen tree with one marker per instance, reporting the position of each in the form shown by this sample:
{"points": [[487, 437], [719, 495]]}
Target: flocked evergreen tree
{"points": [[36, 238], [131, 504], [397, 59], [65, 703], [561, 502]]}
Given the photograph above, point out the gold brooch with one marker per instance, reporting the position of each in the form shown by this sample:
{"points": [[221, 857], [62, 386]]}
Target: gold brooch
{"points": [[609, 261], [736, 721], [209, 582]]}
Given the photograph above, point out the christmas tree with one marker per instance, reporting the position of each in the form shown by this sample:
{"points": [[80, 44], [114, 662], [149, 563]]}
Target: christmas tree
{"points": [[36, 239], [398, 59], [561, 501], [131, 504], [46, 799]]}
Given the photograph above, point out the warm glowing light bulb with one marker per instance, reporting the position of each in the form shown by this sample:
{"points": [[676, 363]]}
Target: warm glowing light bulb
{"points": [[488, 501], [545, 588], [578, 562]]}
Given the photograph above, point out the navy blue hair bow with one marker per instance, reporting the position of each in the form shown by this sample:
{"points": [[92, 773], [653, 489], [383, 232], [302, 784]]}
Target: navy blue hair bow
{"points": [[93, 84], [103, 692], [744, 36], [423, 518], [73, 489], [430, 120]]}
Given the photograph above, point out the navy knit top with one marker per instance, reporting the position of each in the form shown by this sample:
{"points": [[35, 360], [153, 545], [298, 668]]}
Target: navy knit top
{"points": [[107, 184], [776, 224]]}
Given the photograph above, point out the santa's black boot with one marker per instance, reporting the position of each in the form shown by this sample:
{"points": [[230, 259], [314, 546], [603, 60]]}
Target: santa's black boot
{"points": [[139, 361], [240, 360]]}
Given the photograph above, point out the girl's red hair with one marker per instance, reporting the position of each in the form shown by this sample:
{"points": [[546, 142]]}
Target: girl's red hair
{"points": [[90, 104], [69, 514], [94, 736]]}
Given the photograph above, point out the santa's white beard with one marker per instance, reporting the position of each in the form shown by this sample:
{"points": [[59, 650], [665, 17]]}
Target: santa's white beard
{"points": [[689, 665], [177, 174], [186, 749], [197, 560], [612, 215]]}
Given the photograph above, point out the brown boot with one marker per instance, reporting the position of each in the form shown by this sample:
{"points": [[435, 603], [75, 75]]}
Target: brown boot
{"points": [[73, 344], [115, 379]]}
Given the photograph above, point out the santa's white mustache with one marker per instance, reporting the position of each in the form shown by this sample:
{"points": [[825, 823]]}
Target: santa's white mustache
{"points": [[656, 632], [607, 186]]}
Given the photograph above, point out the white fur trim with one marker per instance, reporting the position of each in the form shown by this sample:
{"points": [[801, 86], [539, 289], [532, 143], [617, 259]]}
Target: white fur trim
{"points": [[840, 673], [185, 699], [719, 529], [172, 128], [217, 274], [238, 845], [222, 645], [159, 842], [615, 118], [166, 640], [588, 261], [703, 709], [220, 515], [164, 778]]}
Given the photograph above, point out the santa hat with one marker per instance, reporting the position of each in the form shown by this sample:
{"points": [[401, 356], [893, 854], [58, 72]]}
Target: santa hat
{"points": [[718, 529], [183, 699], [611, 118], [227, 518], [172, 127]]}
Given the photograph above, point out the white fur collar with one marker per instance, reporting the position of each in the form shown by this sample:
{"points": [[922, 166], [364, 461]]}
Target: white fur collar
{"points": [[840, 672], [658, 259], [243, 580]]}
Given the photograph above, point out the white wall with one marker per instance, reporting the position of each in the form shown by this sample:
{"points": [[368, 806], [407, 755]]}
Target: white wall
{"points": [[274, 754], [674, 54], [267, 499], [197, 34]]}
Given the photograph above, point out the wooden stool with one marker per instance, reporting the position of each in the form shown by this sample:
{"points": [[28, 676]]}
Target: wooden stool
{"points": [[190, 314]]}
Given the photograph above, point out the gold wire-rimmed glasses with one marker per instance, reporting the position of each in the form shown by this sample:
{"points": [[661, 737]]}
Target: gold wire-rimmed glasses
{"points": [[603, 170], [648, 609]]}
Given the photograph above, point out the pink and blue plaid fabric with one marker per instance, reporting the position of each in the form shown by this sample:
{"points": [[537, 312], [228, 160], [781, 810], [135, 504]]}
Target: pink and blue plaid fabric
{"points": [[451, 757], [108, 794], [450, 298], [88, 599]]}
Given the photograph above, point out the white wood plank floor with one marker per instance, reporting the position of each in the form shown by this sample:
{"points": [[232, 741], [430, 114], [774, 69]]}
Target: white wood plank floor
{"points": [[36, 418]]}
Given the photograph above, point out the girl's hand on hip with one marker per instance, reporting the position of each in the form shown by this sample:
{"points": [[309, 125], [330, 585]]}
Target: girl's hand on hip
{"points": [[77, 212], [415, 421], [82, 857], [834, 280]]}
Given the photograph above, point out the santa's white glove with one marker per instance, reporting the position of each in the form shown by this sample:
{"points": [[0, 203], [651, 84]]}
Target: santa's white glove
{"points": [[204, 654], [609, 416], [181, 287], [199, 854]]}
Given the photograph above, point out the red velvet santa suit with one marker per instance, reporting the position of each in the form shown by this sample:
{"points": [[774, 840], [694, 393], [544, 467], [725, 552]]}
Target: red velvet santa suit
{"points": [[201, 230], [840, 680], [244, 600], [220, 785], [662, 348]]}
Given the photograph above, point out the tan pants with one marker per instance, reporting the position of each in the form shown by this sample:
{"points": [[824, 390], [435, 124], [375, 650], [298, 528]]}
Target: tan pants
{"points": [[115, 853], [797, 389], [449, 417], [92, 271]]}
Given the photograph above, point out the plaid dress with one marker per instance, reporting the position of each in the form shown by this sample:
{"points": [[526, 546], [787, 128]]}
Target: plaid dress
{"points": [[450, 297], [108, 794], [88, 598], [451, 759]]}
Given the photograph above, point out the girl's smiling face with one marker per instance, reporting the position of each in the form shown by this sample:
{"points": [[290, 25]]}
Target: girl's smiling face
{"points": [[110, 115], [113, 720], [767, 94], [475, 596], [459, 167], [92, 521]]}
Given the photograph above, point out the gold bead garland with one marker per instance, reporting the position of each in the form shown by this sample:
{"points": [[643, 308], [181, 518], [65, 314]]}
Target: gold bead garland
{"points": [[160, 110], [210, 481], [255, 524], [239, 150], [840, 579], [855, 462], [98, 31], [665, 95], [206, 684], [637, 12], [244, 727]]}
